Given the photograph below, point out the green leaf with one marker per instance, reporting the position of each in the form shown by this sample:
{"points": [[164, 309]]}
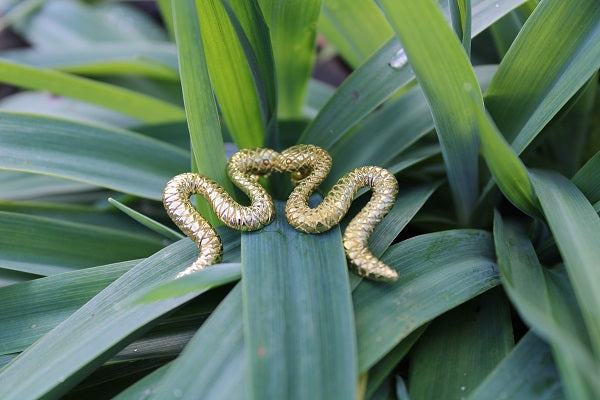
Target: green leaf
{"points": [[230, 75], [399, 124], [147, 221], [220, 340], [438, 271], [508, 170], [111, 158], [375, 80], [46, 246], [152, 59], [587, 180], [97, 330], [293, 27], [140, 106], [528, 372], [147, 385], [296, 330], [569, 149], [387, 364], [23, 186], [545, 300], [190, 283], [460, 13], [461, 348], [355, 28], [576, 228], [32, 309], [67, 22], [201, 109], [537, 77], [427, 38]]}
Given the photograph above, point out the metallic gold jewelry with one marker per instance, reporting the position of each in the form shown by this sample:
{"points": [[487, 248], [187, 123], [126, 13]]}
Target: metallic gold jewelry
{"points": [[309, 166], [244, 169]]}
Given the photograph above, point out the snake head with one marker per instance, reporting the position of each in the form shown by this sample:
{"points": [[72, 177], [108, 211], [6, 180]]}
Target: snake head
{"points": [[300, 174]]}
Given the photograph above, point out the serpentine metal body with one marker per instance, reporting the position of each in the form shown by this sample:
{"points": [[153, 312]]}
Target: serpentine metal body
{"points": [[314, 164], [309, 166], [243, 168]]}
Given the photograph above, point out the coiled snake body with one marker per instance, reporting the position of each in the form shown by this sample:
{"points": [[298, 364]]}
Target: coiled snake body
{"points": [[309, 166]]}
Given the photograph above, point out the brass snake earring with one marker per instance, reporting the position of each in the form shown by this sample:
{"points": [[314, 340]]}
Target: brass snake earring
{"points": [[243, 169], [310, 166]]}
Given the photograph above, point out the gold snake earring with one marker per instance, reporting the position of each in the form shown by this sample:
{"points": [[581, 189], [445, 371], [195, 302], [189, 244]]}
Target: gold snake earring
{"points": [[243, 168], [309, 166]]}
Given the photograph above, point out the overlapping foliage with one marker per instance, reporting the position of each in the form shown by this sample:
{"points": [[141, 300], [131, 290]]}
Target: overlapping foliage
{"points": [[486, 111]]}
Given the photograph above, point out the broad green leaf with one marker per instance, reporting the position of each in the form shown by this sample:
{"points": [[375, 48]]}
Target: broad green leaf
{"points": [[318, 94], [576, 229], [146, 221], [355, 28], [296, 330], [24, 186], [427, 38], [188, 284], [79, 214], [220, 341], [461, 348], [152, 59], [142, 107], [230, 75], [528, 372], [253, 33], [389, 131], [97, 330], [32, 309], [379, 77], [537, 77], [508, 170], [9, 277], [438, 271], [50, 105], [587, 180], [111, 158], [545, 300], [46, 246], [202, 115], [293, 27], [67, 22]]}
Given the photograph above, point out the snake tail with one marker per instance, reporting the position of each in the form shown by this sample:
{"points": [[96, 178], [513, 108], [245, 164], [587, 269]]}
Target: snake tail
{"points": [[315, 164], [243, 168]]}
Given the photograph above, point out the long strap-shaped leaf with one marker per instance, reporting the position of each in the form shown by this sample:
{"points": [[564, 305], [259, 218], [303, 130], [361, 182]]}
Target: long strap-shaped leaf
{"points": [[298, 317], [293, 26], [537, 77], [112, 158], [380, 76], [576, 228], [202, 115], [427, 38], [138, 105], [63, 357]]}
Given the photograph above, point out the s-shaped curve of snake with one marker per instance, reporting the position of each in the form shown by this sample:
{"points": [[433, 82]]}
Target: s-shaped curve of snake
{"points": [[309, 166], [243, 168]]}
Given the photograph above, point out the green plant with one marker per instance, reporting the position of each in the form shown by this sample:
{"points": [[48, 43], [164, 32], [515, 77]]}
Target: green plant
{"points": [[493, 242]]}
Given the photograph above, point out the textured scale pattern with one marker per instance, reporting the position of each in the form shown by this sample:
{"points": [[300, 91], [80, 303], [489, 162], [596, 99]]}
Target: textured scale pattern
{"points": [[244, 169], [309, 166]]}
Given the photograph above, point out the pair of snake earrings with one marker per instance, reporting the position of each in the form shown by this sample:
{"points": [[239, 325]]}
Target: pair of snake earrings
{"points": [[309, 166]]}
